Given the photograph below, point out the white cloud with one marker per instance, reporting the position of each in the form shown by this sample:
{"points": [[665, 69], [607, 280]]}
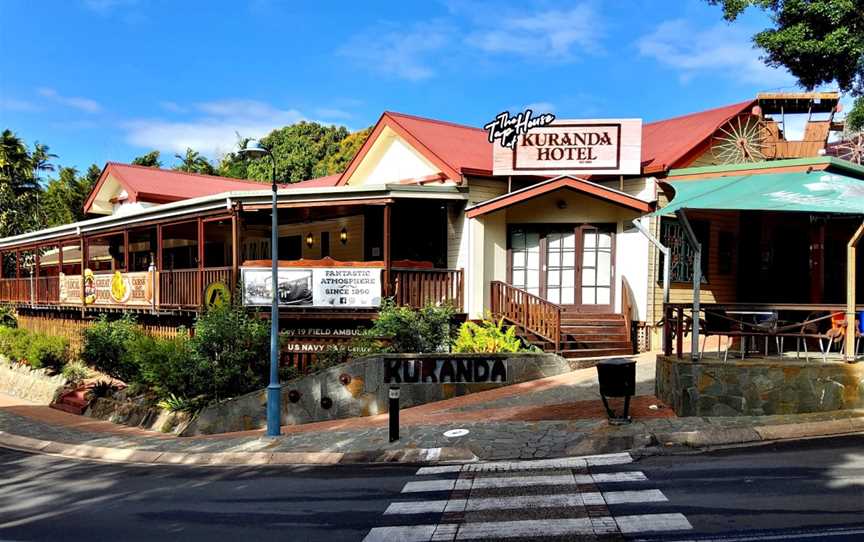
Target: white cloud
{"points": [[173, 107], [539, 107], [12, 104], [550, 35], [393, 51], [76, 102], [720, 49], [214, 129]]}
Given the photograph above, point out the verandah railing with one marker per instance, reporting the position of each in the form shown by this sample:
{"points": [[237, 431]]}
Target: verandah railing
{"points": [[420, 287], [532, 313]]}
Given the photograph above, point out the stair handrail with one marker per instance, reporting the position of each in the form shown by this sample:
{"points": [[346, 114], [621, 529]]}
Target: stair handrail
{"points": [[627, 308], [520, 317]]}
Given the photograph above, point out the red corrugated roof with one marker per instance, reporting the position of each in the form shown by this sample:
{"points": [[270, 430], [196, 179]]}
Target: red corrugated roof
{"points": [[463, 148], [665, 142], [157, 185]]}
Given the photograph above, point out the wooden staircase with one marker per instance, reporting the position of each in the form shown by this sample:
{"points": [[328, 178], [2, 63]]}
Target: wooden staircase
{"points": [[594, 335], [562, 330]]}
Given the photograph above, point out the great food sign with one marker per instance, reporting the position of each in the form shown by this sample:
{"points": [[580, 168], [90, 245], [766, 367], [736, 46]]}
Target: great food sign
{"points": [[525, 144], [315, 287]]}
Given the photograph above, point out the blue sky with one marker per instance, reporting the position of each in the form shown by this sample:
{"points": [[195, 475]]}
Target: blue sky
{"points": [[102, 80]]}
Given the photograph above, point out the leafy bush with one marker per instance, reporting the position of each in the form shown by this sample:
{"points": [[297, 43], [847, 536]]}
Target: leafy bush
{"points": [[412, 331], [170, 366], [107, 345], [75, 372], [7, 316], [232, 348], [9, 342], [174, 403], [102, 388], [488, 336], [45, 351]]}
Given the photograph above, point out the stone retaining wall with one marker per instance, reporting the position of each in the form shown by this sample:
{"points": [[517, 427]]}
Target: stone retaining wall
{"points": [[758, 387], [30, 384], [134, 414], [357, 388]]}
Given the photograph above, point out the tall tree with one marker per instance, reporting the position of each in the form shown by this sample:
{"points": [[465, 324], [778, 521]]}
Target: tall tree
{"points": [[338, 161], [151, 159], [40, 159], [818, 41], [16, 165], [194, 162], [298, 148]]}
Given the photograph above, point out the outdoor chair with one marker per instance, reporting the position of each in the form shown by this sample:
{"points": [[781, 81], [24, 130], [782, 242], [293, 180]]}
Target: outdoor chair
{"points": [[815, 326], [717, 323]]}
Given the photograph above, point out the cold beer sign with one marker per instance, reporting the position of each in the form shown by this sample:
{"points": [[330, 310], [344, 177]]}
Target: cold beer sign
{"points": [[543, 145]]}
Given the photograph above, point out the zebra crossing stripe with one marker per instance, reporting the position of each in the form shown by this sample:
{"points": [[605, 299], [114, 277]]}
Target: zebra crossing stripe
{"points": [[441, 469], [525, 529], [523, 481], [429, 485], [613, 477], [561, 463], [652, 523], [563, 500], [402, 533]]}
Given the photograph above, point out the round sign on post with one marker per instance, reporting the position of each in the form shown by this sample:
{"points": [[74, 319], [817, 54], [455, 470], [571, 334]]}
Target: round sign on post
{"points": [[217, 294]]}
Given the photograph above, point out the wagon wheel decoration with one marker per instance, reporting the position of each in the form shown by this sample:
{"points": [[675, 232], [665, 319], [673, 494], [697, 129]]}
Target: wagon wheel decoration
{"points": [[852, 148], [740, 142]]}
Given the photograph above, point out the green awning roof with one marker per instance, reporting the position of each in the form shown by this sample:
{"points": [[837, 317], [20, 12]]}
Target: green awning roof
{"points": [[816, 191]]}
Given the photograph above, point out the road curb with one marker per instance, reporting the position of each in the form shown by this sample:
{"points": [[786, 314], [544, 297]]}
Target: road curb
{"points": [[156, 457], [724, 437]]}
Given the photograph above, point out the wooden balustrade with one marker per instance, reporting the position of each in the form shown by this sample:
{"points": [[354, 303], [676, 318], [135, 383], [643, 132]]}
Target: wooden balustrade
{"points": [[16, 290], [47, 290], [420, 287], [530, 312]]}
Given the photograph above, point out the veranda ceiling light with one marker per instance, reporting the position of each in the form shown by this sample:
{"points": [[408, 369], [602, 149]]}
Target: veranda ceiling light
{"points": [[343, 236], [310, 240]]}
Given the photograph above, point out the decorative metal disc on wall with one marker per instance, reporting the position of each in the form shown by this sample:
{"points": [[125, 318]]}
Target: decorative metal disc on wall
{"points": [[740, 142]]}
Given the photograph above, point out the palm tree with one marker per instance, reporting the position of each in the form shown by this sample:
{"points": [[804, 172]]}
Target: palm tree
{"points": [[16, 164], [40, 160], [194, 162]]}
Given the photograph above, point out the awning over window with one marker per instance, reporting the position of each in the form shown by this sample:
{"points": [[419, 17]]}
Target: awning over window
{"points": [[814, 191]]}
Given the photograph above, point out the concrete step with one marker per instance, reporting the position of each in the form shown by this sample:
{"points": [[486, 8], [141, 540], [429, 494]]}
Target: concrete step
{"points": [[596, 352]]}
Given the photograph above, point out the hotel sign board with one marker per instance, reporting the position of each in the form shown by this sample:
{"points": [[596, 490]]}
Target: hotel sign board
{"points": [[331, 287], [574, 147]]}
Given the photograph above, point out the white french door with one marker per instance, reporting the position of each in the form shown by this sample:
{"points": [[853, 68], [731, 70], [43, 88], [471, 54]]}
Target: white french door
{"points": [[567, 265]]}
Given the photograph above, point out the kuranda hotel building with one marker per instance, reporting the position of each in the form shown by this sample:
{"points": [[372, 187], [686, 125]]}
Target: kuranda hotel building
{"points": [[432, 212]]}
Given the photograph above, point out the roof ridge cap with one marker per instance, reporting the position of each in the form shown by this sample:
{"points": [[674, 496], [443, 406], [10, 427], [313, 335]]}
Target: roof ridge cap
{"points": [[435, 121]]}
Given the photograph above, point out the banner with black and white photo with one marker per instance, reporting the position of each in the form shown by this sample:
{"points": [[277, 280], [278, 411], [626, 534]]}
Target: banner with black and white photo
{"points": [[335, 287]]}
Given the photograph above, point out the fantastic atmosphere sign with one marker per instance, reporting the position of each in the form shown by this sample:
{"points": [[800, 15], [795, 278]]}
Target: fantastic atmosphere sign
{"points": [[316, 287]]}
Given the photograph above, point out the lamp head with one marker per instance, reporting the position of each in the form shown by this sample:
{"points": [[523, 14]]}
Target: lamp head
{"points": [[254, 149]]}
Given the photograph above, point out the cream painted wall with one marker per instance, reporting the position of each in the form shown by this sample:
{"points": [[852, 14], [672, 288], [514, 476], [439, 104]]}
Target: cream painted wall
{"points": [[631, 262], [391, 159]]}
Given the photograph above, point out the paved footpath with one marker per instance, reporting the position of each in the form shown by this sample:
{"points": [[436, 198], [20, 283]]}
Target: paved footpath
{"points": [[547, 418]]}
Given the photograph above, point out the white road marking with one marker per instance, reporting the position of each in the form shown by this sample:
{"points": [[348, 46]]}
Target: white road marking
{"points": [[429, 485], [652, 523], [416, 507], [561, 463], [625, 497], [445, 532], [822, 532], [523, 481], [604, 525], [525, 529], [611, 477], [524, 501], [442, 469], [406, 533]]}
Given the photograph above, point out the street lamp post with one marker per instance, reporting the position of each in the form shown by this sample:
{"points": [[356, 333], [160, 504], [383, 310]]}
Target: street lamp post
{"points": [[254, 149]]}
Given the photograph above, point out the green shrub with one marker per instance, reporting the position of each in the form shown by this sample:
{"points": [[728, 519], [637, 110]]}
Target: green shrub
{"points": [[7, 316], [173, 403], [412, 331], [75, 372], [9, 340], [170, 366], [488, 337], [232, 348], [107, 345], [46, 351], [102, 388]]}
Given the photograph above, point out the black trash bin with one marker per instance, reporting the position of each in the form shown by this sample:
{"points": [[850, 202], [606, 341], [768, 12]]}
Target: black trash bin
{"points": [[617, 378]]}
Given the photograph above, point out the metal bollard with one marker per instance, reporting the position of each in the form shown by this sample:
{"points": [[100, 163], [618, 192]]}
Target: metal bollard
{"points": [[394, 413]]}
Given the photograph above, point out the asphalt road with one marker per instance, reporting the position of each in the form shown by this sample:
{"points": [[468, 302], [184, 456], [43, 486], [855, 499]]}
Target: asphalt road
{"points": [[805, 490]]}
